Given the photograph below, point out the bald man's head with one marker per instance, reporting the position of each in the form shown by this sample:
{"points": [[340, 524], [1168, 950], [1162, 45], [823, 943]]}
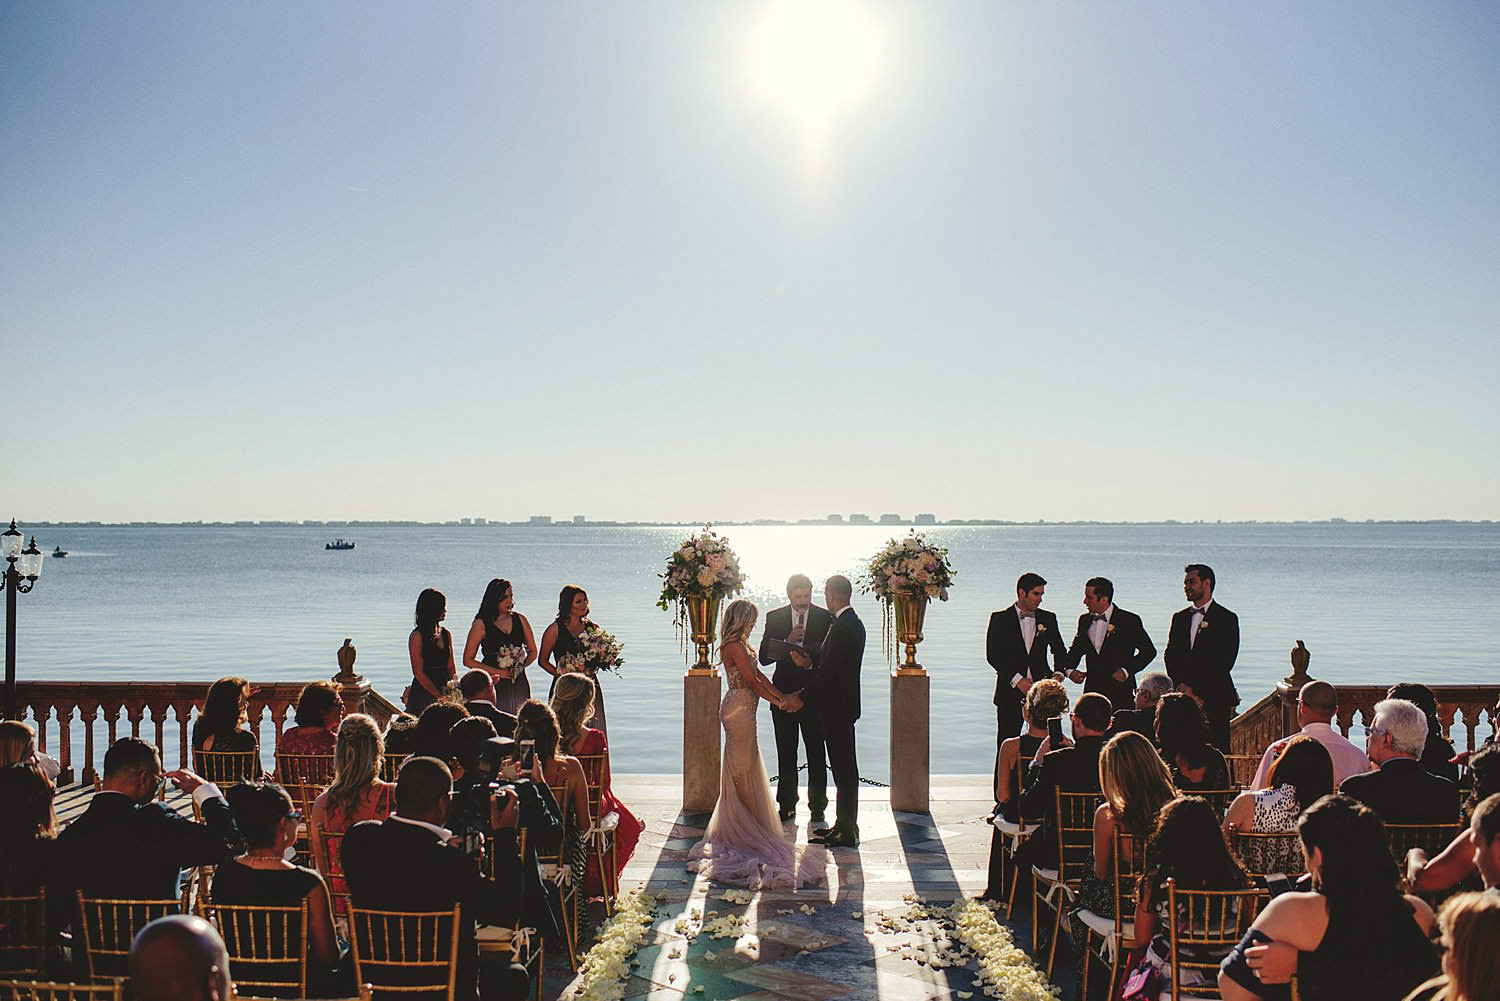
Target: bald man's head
{"points": [[179, 958], [1319, 701]]}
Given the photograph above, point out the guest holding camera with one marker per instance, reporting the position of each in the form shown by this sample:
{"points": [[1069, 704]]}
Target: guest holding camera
{"points": [[408, 863]]}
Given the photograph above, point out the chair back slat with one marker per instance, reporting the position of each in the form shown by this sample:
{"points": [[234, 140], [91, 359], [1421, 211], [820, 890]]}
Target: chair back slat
{"points": [[1075, 833], [406, 952], [326, 849], [1203, 927], [109, 926], [225, 768], [1129, 854], [1242, 769], [23, 934], [1431, 838], [304, 776], [267, 945], [47, 990], [390, 765]]}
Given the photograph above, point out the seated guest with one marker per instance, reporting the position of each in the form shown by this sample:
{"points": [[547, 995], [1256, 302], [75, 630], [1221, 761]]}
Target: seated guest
{"points": [[1301, 775], [1182, 735], [357, 791], [221, 724], [478, 689], [1317, 704], [28, 827], [1471, 951], [536, 722], [319, 710], [407, 863], [433, 735], [179, 958], [1188, 848], [1136, 785], [1353, 936], [400, 735], [1074, 767], [1044, 699], [573, 705], [128, 845], [1437, 754], [18, 744], [1400, 790], [262, 876], [1465, 856], [1142, 719]]}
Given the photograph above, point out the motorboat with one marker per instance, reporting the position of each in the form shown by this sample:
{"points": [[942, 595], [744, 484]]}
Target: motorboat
{"points": [[58, 552], [339, 544]]}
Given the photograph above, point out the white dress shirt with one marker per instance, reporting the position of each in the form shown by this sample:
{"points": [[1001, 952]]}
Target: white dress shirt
{"points": [[1347, 757], [1099, 628], [1198, 614]]}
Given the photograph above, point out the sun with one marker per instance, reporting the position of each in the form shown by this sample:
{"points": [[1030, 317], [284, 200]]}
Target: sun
{"points": [[814, 59]]}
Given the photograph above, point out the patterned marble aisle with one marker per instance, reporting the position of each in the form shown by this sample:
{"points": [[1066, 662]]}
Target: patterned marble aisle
{"points": [[819, 943]]}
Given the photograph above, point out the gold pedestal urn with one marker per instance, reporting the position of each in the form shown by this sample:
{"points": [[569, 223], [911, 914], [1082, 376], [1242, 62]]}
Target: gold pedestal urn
{"points": [[910, 610], [703, 622]]}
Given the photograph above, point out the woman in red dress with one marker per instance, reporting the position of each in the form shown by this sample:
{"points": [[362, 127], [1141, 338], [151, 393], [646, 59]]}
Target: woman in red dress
{"points": [[573, 702]]}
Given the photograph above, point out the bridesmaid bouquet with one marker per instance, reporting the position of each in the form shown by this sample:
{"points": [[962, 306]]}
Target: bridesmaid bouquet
{"points": [[601, 652], [511, 658]]}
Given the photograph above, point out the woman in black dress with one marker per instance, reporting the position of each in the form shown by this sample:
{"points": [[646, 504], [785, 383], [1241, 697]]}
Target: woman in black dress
{"points": [[560, 642], [431, 648], [222, 725], [498, 626]]}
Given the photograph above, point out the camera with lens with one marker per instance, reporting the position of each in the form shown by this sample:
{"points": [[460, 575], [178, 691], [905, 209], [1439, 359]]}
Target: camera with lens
{"points": [[488, 769]]}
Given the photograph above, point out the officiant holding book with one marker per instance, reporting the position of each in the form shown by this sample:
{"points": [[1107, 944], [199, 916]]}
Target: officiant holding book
{"points": [[797, 625]]}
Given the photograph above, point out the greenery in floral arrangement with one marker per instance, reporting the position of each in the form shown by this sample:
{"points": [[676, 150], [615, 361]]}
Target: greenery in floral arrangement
{"points": [[600, 651], [702, 567], [909, 566]]}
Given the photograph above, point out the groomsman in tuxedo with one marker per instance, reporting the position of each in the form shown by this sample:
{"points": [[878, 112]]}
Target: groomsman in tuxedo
{"points": [[1111, 643], [798, 621], [1202, 644], [833, 693], [1016, 646]]}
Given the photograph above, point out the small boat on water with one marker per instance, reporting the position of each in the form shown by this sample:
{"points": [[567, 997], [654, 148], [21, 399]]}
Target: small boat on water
{"points": [[339, 544], [58, 552]]}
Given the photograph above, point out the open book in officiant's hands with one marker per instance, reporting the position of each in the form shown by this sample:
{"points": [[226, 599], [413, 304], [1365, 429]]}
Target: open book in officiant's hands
{"points": [[785, 648]]}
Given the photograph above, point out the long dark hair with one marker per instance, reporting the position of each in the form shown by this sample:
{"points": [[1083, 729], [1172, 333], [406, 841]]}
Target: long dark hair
{"points": [[536, 720], [431, 604], [489, 605], [223, 710], [1305, 765], [565, 602], [258, 808], [1358, 877], [1188, 846], [1180, 728], [433, 731]]}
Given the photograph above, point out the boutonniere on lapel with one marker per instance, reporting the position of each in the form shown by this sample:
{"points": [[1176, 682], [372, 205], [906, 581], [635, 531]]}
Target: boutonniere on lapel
{"points": [[1041, 627], [1203, 624], [1109, 628]]}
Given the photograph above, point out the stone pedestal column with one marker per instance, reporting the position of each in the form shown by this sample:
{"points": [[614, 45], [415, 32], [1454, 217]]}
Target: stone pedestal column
{"points": [[910, 752], [700, 740]]}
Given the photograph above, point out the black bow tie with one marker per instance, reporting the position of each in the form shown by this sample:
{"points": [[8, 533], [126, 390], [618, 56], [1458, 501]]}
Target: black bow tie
{"points": [[1026, 615], [1097, 616], [1199, 611]]}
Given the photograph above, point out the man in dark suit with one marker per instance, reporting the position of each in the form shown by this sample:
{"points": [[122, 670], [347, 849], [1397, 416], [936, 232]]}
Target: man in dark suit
{"points": [[1142, 718], [1016, 646], [1071, 768], [1202, 644], [478, 690], [1111, 643], [406, 863], [1400, 789], [833, 693], [129, 845], [798, 621]]}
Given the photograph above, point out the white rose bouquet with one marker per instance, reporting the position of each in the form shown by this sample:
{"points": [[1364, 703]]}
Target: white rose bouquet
{"points": [[511, 658], [601, 651]]}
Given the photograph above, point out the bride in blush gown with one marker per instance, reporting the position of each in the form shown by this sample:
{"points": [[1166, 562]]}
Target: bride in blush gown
{"points": [[744, 843]]}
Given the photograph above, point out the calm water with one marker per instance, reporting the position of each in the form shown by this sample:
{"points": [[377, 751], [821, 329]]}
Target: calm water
{"points": [[1374, 603]]}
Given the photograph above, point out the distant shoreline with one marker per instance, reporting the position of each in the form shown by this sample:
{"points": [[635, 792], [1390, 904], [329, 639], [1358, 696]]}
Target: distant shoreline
{"points": [[757, 523]]}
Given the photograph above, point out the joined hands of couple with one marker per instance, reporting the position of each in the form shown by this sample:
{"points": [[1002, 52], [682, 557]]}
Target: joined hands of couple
{"points": [[1076, 676]]}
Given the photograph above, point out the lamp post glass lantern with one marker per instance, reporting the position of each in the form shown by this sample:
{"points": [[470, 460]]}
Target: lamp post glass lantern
{"points": [[22, 568]]}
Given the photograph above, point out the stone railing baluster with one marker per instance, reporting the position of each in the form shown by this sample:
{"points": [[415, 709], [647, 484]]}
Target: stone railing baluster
{"points": [[65, 742]]}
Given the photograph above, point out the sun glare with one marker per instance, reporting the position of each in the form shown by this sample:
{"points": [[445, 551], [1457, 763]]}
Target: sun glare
{"points": [[814, 59]]}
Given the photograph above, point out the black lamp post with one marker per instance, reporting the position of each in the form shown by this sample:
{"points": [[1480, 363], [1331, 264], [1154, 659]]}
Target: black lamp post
{"points": [[22, 568]]}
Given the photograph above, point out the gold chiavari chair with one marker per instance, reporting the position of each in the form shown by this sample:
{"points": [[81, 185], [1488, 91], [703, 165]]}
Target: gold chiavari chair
{"points": [[109, 925], [399, 952], [524, 944], [1242, 769], [267, 945], [1205, 925], [601, 833], [1054, 889], [557, 869], [1013, 836], [304, 776], [225, 768], [1112, 939], [23, 934], [326, 848], [1219, 799], [1265, 853], [1431, 838], [366, 993], [48, 990], [390, 765]]}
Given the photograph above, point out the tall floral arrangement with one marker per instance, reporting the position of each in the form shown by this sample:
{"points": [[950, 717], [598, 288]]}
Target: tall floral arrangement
{"points": [[702, 566], [909, 567]]}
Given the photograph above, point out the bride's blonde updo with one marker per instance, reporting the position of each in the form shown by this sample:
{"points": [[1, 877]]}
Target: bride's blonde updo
{"points": [[739, 620]]}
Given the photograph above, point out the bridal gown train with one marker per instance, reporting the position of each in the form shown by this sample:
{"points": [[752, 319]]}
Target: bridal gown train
{"points": [[744, 843]]}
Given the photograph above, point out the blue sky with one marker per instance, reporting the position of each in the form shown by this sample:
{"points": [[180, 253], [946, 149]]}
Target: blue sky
{"points": [[1166, 260]]}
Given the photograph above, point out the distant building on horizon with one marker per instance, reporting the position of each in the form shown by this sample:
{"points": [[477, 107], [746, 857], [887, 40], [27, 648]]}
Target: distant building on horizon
{"points": [[835, 519], [860, 519], [890, 519], [539, 519], [925, 519]]}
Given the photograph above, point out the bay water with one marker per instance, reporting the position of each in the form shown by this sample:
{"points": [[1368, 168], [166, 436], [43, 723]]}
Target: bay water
{"points": [[1375, 604]]}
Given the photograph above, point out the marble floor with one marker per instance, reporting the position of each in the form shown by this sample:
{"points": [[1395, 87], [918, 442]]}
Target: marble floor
{"points": [[819, 943]]}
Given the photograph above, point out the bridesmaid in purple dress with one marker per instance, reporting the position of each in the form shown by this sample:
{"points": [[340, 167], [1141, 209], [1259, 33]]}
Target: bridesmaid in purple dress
{"points": [[498, 626]]}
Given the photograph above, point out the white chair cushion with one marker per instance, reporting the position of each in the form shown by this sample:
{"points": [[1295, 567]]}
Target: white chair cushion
{"points": [[1050, 875], [1014, 830]]}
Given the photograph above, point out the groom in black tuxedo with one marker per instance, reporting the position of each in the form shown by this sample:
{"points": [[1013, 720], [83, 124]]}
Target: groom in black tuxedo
{"points": [[833, 694], [798, 621], [1202, 645], [1111, 643]]}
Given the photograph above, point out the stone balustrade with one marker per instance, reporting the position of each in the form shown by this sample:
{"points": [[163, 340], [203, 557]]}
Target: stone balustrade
{"points": [[165, 708]]}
